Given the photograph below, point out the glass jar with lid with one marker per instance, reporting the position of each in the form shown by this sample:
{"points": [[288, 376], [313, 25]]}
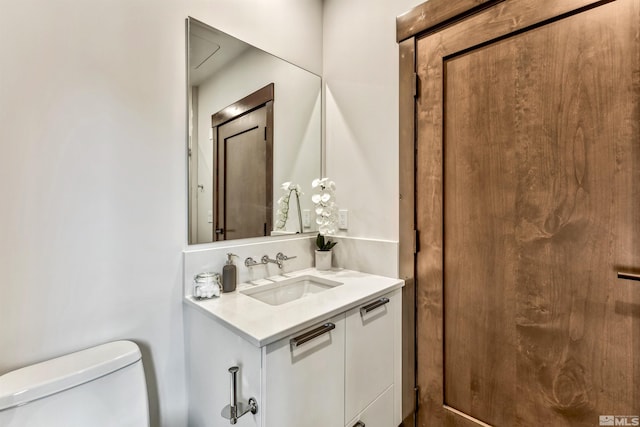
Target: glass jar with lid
{"points": [[206, 285]]}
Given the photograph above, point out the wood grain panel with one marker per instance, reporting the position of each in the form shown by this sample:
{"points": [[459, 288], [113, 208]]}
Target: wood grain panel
{"points": [[479, 301], [544, 146], [244, 105], [506, 18], [429, 268], [577, 98], [433, 13], [407, 222]]}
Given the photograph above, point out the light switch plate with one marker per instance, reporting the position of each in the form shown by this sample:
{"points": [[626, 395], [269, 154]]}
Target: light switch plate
{"points": [[306, 218], [343, 219]]}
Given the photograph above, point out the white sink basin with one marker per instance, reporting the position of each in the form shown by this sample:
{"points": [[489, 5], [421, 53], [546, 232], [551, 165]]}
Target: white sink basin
{"points": [[289, 290]]}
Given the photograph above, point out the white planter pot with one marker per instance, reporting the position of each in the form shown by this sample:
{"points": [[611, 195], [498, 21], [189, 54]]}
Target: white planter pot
{"points": [[323, 260]]}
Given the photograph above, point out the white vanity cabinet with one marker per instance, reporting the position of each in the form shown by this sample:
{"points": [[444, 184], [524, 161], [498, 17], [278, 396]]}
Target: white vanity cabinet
{"points": [[340, 375], [380, 413], [370, 352], [342, 370], [303, 377]]}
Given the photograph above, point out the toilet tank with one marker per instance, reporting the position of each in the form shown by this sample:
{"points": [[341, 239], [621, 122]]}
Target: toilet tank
{"points": [[97, 387]]}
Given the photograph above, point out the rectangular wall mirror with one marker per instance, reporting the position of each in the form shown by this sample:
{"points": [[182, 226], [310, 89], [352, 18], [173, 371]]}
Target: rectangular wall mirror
{"points": [[254, 123]]}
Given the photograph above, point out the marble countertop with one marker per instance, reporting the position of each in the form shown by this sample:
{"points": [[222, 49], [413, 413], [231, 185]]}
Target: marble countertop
{"points": [[261, 323]]}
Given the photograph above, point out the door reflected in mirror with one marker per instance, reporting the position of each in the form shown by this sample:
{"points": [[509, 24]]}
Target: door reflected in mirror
{"points": [[254, 123]]}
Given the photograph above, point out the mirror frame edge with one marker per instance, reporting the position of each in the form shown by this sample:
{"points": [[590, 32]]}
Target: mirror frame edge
{"points": [[188, 247]]}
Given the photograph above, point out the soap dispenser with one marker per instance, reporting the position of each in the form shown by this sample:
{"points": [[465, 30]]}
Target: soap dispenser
{"points": [[229, 275]]}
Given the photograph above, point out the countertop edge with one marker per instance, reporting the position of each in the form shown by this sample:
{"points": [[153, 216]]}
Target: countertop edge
{"points": [[189, 301], [276, 336]]}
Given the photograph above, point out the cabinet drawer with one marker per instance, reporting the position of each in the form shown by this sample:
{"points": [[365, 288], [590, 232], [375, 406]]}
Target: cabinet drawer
{"points": [[369, 353], [304, 379], [378, 414]]}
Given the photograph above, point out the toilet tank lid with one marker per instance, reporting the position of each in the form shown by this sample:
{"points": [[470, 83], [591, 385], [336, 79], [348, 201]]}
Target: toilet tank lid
{"points": [[52, 376]]}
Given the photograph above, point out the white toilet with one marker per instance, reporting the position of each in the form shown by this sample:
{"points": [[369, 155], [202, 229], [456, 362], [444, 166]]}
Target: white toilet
{"points": [[97, 387]]}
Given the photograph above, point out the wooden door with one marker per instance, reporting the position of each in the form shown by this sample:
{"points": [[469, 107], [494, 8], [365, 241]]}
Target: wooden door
{"points": [[243, 192], [243, 167], [527, 206]]}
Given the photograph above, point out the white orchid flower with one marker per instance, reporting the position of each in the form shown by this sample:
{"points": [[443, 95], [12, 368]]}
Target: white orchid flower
{"points": [[283, 202], [325, 206]]}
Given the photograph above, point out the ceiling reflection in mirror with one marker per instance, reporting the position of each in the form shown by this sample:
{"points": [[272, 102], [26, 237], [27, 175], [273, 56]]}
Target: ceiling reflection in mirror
{"points": [[254, 142]]}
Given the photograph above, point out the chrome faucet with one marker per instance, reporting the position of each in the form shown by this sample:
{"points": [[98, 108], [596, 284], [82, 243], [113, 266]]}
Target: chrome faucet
{"points": [[282, 257], [250, 262], [266, 260], [279, 261]]}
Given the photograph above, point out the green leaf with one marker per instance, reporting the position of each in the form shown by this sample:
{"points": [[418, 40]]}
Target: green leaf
{"points": [[322, 245]]}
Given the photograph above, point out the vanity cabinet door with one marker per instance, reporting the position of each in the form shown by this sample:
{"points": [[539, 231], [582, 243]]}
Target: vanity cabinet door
{"points": [[369, 353], [304, 382], [378, 414]]}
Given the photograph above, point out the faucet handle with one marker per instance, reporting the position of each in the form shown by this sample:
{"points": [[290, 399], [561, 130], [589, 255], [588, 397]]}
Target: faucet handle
{"points": [[265, 259], [282, 257], [250, 262]]}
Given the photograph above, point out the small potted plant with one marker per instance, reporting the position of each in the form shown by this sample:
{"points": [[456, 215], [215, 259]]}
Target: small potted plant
{"points": [[326, 218]]}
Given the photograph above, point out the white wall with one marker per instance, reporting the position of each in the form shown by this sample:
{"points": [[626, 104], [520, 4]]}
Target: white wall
{"points": [[361, 98], [93, 171]]}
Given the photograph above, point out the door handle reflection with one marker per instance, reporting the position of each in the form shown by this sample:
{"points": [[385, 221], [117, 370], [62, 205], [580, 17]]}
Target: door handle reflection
{"points": [[629, 276]]}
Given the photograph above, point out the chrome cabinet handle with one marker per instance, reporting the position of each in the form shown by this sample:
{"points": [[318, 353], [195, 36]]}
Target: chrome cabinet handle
{"points": [[314, 333], [359, 424], [372, 306], [629, 276]]}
